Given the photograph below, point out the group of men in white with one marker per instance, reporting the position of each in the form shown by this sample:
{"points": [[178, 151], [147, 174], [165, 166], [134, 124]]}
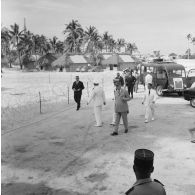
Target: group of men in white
{"points": [[121, 97]]}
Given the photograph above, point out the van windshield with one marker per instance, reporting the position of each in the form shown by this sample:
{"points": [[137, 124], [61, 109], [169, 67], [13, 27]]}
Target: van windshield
{"points": [[176, 73]]}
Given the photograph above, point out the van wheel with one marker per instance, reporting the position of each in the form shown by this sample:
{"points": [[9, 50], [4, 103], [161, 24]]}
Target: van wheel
{"points": [[192, 102], [159, 90], [180, 93]]}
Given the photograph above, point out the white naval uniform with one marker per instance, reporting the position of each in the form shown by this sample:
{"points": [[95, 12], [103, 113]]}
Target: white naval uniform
{"points": [[149, 100], [148, 79], [98, 97]]}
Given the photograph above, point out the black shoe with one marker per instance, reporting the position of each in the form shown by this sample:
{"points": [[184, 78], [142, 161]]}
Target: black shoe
{"points": [[126, 130], [77, 109], [114, 133]]}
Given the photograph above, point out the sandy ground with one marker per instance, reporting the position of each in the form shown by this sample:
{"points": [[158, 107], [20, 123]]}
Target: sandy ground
{"points": [[63, 153], [66, 154]]}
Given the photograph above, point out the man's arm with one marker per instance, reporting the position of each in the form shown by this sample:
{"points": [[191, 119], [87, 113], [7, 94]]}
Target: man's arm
{"points": [[73, 86]]}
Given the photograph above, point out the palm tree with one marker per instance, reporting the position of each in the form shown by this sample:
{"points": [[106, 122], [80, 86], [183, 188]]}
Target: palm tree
{"points": [[106, 38], [59, 47], [92, 39], [74, 36], [112, 44], [53, 43], [189, 37], [130, 47], [16, 36], [120, 43], [5, 41]]}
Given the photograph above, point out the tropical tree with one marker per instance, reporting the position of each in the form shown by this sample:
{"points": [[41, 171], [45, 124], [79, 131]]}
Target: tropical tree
{"points": [[106, 39], [74, 36], [112, 44], [120, 43], [59, 47], [53, 43], [130, 47], [189, 37], [5, 41], [92, 39], [16, 36]]}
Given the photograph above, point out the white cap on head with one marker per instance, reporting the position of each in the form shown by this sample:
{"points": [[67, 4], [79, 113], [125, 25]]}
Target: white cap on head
{"points": [[95, 81], [148, 71]]}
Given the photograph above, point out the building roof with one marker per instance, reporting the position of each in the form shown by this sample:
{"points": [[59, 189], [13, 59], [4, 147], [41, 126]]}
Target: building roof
{"points": [[165, 65], [78, 59], [118, 58], [126, 58]]}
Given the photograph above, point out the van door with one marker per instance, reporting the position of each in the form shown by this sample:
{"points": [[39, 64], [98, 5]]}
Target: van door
{"points": [[161, 78]]}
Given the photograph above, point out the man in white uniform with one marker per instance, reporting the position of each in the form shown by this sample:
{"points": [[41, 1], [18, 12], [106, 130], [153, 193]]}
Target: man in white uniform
{"points": [[148, 78], [98, 97], [149, 101]]}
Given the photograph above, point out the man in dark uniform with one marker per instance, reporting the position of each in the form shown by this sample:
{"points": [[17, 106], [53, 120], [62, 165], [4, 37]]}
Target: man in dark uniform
{"points": [[77, 88], [118, 76], [130, 82], [143, 167]]}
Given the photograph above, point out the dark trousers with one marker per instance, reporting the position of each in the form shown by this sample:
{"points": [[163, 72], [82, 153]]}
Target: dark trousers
{"points": [[130, 90], [77, 99]]}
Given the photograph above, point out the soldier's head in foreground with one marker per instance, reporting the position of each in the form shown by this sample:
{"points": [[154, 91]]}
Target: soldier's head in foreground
{"points": [[143, 163], [96, 82]]}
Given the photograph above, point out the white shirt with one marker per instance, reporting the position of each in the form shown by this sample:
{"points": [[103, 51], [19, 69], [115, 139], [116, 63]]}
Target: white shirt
{"points": [[98, 96], [150, 97], [148, 78]]}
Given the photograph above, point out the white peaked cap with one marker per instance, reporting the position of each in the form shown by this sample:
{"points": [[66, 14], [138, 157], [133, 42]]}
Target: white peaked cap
{"points": [[96, 81]]}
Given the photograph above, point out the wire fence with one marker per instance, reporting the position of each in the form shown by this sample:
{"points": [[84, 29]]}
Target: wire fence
{"points": [[26, 96]]}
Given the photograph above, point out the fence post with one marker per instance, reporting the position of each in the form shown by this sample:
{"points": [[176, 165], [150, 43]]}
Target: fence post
{"points": [[87, 89], [68, 94], [49, 76], [40, 102]]}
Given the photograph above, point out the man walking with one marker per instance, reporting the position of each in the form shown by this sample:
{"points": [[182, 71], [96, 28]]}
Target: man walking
{"points": [[149, 101], [98, 97], [148, 78], [143, 167], [77, 88], [118, 76], [130, 82], [137, 77], [121, 106]]}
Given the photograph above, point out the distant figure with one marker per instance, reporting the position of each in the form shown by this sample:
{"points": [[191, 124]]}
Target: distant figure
{"points": [[130, 82], [120, 79], [137, 77], [77, 88], [143, 167], [121, 106], [149, 101], [98, 97], [148, 78]]}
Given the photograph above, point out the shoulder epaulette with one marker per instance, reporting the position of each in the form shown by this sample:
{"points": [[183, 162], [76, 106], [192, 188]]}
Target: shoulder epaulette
{"points": [[127, 192], [155, 180]]}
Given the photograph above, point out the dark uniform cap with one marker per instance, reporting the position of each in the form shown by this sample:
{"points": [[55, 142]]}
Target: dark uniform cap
{"points": [[144, 158]]}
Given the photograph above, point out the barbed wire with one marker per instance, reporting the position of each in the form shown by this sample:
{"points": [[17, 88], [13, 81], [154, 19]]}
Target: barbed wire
{"points": [[21, 105]]}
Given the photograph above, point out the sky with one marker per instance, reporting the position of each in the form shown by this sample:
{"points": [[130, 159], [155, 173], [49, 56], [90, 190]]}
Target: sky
{"points": [[151, 24]]}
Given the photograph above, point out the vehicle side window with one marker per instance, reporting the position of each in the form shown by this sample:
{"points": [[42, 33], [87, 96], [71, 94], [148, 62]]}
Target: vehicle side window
{"points": [[161, 74]]}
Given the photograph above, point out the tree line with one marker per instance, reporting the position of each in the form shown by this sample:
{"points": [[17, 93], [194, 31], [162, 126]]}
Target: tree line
{"points": [[16, 42]]}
